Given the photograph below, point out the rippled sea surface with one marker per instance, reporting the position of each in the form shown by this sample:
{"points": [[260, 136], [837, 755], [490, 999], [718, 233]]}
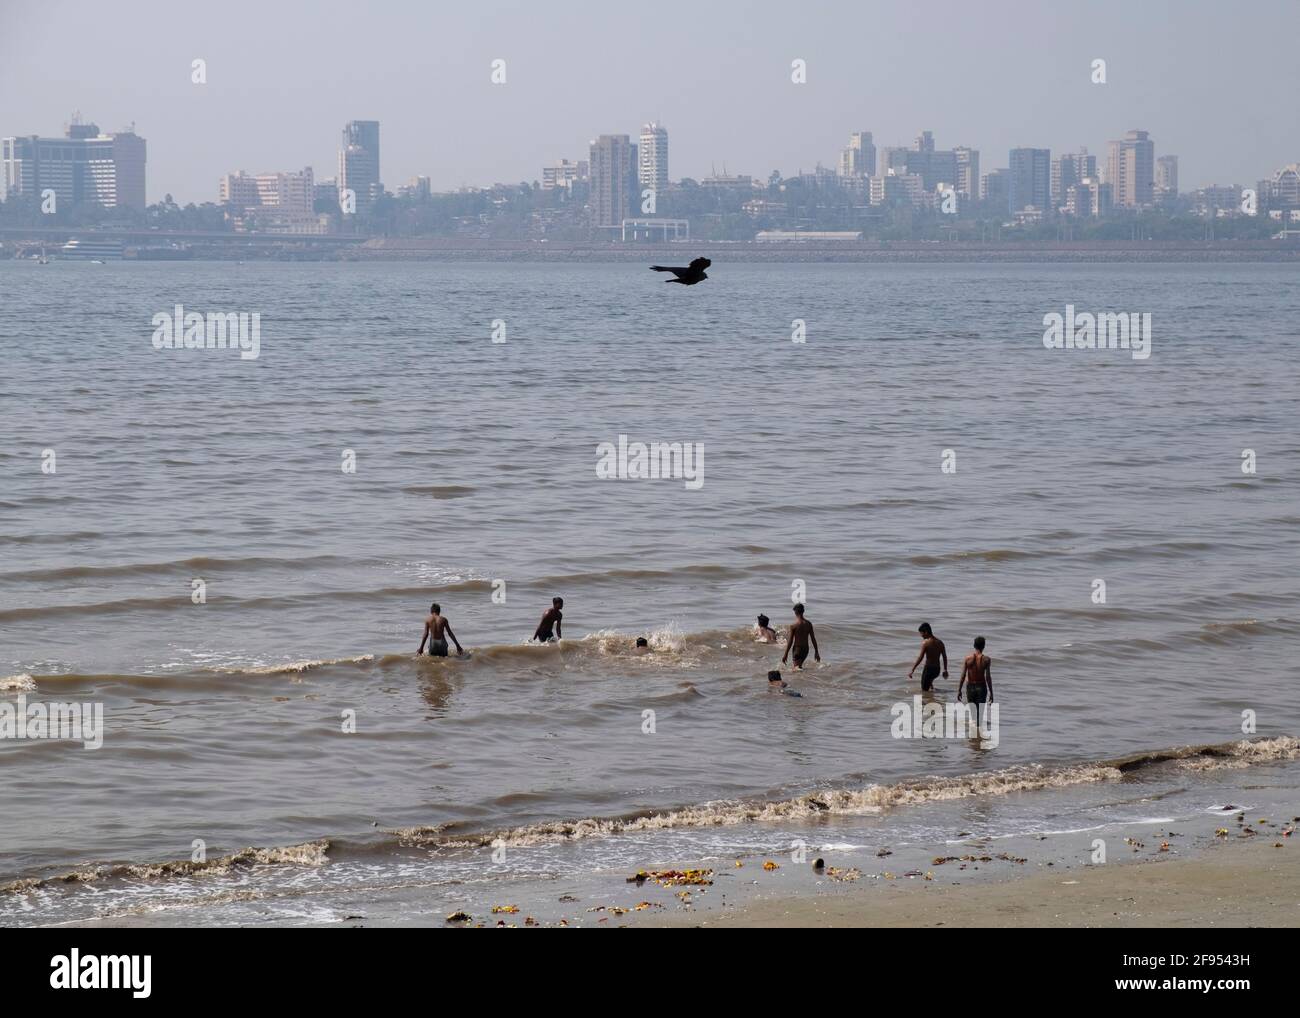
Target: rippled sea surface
{"points": [[475, 485]]}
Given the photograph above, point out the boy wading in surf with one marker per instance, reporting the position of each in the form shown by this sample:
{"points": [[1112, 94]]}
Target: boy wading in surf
{"points": [[551, 620], [436, 631], [977, 674], [932, 649], [801, 631]]}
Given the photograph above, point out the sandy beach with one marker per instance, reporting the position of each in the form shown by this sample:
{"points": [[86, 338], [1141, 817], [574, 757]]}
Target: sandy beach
{"points": [[1241, 885]]}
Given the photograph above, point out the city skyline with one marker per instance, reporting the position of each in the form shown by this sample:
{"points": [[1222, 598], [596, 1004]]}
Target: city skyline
{"points": [[267, 109]]}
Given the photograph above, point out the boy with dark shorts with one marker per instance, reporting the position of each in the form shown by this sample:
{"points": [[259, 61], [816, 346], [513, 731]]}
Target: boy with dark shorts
{"points": [[801, 631], [436, 631], [932, 649], [550, 627], [977, 675]]}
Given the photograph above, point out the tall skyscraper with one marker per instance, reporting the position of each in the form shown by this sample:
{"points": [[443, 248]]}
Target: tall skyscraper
{"points": [[613, 179], [1131, 170], [83, 166], [652, 157], [359, 162], [968, 171], [1167, 176], [859, 159], [1030, 181]]}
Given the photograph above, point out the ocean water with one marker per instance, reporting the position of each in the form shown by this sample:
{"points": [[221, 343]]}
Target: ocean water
{"points": [[130, 475]]}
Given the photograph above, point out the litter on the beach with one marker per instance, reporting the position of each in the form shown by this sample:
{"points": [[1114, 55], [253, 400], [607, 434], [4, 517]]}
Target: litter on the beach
{"points": [[672, 878]]}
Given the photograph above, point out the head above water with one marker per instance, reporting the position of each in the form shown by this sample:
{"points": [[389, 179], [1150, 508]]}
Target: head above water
{"points": [[436, 608], [773, 676], [558, 602], [924, 629], [798, 609], [979, 643], [641, 641], [763, 620]]}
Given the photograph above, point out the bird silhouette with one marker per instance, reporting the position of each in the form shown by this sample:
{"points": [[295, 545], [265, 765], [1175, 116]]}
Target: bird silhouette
{"points": [[687, 275]]}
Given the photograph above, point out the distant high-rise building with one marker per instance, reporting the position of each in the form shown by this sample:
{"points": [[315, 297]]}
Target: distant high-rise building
{"points": [[891, 158], [1076, 201], [1030, 180], [1167, 177], [359, 162], [272, 202], [564, 174], [968, 171], [289, 193], [1216, 200], [937, 167], [652, 158], [821, 178], [724, 181], [613, 179], [1284, 187], [83, 166], [859, 158], [326, 194], [933, 166], [1087, 164], [418, 188], [1131, 170], [1089, 198], [1069, 170], [898, 189], [1065, 175], [994, 186]]}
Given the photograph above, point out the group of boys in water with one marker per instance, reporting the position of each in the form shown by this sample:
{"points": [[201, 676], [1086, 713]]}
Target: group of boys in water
{"points": [[976, 670]]}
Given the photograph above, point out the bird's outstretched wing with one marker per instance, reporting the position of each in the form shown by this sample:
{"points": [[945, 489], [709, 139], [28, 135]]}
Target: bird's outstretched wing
{"points": [[676, 270]]}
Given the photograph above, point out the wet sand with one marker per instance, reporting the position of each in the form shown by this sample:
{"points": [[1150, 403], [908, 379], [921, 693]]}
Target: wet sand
{"points": [[1233, 885], [1225, 870]]}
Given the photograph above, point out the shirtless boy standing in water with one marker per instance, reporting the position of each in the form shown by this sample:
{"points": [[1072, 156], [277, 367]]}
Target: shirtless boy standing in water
{"points": [[551, 620], [932, 649], [436, 631], [801, 631], [977, 674]]}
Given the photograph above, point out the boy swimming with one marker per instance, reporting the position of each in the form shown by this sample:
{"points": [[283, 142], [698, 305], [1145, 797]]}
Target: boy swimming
{"points": [[779, 685], [766, 634]]}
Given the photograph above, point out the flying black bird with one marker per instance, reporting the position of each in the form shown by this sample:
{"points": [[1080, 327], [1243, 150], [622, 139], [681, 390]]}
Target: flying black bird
{"points": [[686, 275]]}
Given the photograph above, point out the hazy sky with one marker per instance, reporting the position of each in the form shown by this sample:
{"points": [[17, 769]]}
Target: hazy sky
{"points": [[1214, 84]]}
